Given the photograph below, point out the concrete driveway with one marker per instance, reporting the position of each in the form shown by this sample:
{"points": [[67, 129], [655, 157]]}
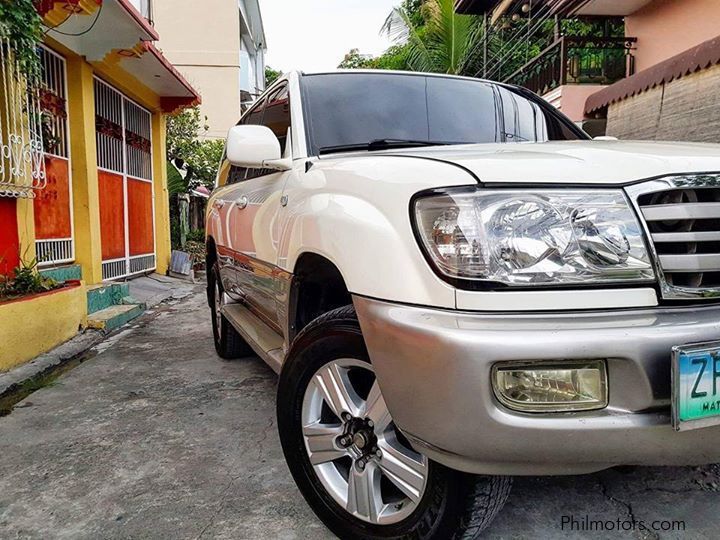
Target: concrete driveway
{"points": [[156, 437]]}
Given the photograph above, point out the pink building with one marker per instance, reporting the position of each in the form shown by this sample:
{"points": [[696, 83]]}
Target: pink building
{"points": [[659, 82]]}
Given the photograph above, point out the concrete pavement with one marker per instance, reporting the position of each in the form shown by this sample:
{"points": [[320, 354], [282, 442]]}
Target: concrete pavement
{"points": [[156, 437]]}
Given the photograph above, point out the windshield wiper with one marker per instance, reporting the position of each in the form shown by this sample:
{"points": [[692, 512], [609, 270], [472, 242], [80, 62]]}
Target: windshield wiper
{"points": [[381, 144]]}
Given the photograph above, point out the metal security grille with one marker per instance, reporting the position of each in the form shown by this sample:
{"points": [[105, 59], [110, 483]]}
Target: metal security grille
{"points": [[53, 102], [109, 128], [124, 149], [22, 169], [58, 245], [54, 251], [137, 142], [682, 218]]}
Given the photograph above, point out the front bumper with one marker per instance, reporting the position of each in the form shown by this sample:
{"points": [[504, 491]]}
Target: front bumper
{"points": [[434, 369]]}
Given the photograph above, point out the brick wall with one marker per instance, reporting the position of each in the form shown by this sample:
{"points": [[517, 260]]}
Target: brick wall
{"points": [[686, 109]]}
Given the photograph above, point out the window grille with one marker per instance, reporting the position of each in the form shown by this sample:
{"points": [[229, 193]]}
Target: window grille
{"points": [[53, 103], [137, 142], [22, 168], [109, 127]]}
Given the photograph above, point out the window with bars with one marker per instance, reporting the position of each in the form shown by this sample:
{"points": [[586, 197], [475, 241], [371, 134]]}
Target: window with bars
{"points": [[109, 128], [137, 142], [123, 134], [53, 103]]}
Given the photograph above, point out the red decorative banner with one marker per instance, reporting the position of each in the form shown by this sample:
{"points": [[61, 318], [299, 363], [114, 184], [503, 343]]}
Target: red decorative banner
{"points": [[137, 141], [108, 127]]}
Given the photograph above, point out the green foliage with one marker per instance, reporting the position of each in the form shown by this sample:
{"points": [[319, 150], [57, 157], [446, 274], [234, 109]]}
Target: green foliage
{"points": [[21, 24], [26, 280], [199, 158], [395, 58], [197, 235], [271, 75], [438, 40], [354, 60]]}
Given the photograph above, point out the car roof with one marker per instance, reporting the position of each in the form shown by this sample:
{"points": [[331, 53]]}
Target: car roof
{"points": [[396, 72]]}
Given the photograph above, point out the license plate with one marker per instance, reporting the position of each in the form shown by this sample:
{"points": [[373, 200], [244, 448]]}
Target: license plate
{"points": [[696, 386]]}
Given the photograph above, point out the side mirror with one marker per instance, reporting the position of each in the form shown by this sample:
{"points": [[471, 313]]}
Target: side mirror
{"points": [[255, 147]]}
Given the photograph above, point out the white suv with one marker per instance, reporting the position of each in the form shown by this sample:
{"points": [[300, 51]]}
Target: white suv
{"points": [[456, 285]]}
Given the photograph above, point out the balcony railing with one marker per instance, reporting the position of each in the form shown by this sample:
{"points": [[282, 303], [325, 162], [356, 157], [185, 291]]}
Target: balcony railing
{"points": [[576, 60]]}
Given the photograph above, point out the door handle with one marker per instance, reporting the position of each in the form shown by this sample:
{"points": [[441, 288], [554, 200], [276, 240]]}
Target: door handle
{"points": [[218, 204], [241, 203]]}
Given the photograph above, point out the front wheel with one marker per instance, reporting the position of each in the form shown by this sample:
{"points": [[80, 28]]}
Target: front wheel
{"points": [[357, 471]]}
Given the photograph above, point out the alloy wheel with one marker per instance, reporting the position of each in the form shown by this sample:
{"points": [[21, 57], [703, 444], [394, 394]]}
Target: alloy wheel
{"points": [[357, 453]]}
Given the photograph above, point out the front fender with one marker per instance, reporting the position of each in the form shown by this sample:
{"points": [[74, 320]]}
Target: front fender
{"points": [[355, 212]]}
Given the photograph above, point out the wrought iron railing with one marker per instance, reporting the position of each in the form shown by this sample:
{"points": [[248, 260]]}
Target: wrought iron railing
{"points": [[22, 167], [576, 60]]}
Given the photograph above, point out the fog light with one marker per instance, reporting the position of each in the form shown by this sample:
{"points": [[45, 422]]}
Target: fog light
{"points": [[552, 387]]}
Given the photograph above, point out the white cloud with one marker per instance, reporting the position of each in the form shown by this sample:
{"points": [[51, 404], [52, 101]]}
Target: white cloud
{"points": [[314, 35]]}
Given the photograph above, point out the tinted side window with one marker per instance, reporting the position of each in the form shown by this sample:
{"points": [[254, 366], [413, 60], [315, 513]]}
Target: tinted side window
{"points": [[255, 116], [277, 115]]}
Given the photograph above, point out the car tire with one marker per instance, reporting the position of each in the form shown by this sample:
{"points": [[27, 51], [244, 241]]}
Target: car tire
{"points": [[451, 504], [229, 344]]}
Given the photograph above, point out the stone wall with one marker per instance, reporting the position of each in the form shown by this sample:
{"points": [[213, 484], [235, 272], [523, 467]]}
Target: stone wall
{"points": [[686, 109]]}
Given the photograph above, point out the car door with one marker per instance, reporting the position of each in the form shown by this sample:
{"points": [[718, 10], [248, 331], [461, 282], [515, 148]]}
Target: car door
{"points": [[251, 207], [229, 190]]}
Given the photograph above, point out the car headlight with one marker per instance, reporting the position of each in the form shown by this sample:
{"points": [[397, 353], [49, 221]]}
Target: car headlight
{"points": [[527, 238]]}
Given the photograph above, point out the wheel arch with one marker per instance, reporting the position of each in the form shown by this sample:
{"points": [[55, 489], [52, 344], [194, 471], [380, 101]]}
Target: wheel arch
{"points": [[318, 286]]}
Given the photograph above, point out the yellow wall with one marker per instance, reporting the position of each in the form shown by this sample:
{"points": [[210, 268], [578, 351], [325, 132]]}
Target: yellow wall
{"points": [[160, 192], [86, 209], [33, 326]]}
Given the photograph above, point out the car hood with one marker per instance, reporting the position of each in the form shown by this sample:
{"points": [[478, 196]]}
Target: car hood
{"points": [[574, 162]]}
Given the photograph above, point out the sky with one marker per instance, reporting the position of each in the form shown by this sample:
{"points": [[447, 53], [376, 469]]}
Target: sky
{"points": [[313, 35]]}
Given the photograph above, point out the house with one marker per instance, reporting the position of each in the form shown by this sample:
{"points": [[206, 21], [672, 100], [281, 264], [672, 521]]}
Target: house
{"points": [[83, 187], [658, 81], [220, 49]]}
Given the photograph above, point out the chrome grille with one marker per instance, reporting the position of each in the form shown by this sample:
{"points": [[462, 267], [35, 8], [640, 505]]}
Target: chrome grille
{"points": [[682, 218]]}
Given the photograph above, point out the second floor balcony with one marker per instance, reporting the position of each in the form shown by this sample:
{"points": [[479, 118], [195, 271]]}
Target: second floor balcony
{"points": [[577, 60]]}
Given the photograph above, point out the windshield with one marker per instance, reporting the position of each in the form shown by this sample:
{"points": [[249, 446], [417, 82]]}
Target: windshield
{"points": [[355, 109]]}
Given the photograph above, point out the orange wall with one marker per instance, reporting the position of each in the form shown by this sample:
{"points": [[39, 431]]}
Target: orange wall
{"points": [[665, 28], [112, 215], [140, 215], [52, 204]]}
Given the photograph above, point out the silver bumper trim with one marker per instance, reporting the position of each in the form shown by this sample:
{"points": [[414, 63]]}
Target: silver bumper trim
{"points": [[434, 369]]}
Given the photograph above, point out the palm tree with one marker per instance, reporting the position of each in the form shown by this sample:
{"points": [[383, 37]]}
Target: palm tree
{"points": [[444, 42]]}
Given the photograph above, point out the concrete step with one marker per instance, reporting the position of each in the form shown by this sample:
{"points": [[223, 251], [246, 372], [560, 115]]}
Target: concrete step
{"points": [[103, 296], [114, 317]]}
